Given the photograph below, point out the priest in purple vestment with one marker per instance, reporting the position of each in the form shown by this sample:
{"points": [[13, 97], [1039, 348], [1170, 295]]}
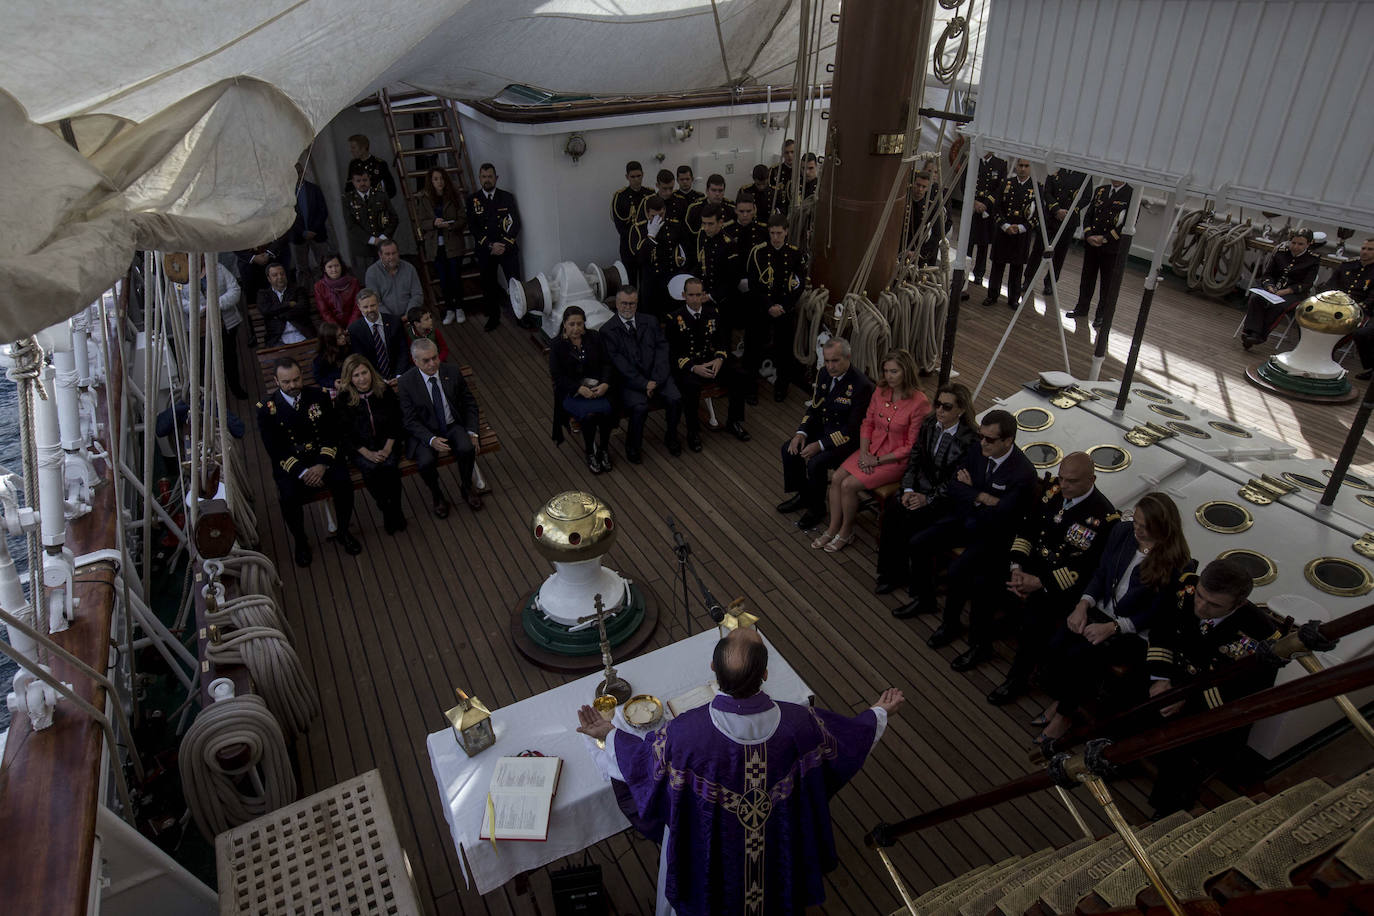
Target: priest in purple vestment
{"points": [[741, 789]]}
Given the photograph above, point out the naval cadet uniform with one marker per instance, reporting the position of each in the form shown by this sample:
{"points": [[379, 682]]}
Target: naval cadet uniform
{"points": [[660, 257], [833, 417], [718, 265], [694, 340], [1357, 281], [624, 208], [692, 217], [1015, 219], [493, 217], [1057, 194], [780, 180], [776, 277], [1105, 216], [685, 200], [297, 437], [992, 174], [1060, 544], [929, 252], [1184, 648], [1283, 272]]}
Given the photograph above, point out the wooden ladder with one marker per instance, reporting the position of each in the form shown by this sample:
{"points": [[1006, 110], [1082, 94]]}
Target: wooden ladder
{"points": [[438, 141]]}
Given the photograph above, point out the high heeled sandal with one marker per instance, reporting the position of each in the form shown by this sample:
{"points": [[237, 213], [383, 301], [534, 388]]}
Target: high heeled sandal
{"points": [[838, 543], [822, 541]]}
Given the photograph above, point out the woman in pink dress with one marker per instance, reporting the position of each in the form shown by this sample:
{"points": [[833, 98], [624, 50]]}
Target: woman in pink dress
{"points": [[889, 429], [336, 293]]}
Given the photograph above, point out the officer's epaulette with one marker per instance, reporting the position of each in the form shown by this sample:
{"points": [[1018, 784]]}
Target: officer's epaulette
{"points": [[259, 405], [1051, 491], [1114, 517]]}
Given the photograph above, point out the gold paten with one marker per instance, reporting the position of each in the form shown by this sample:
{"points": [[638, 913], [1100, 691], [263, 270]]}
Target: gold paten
{"points": [[1362, 587], [1364, 546], [1046, 424], [1056, 454], [1265, 490], [643, 710], [1123, 463], [1201, 515], [573, 526], [471, 721], [1330, 312], [1271, 572]]}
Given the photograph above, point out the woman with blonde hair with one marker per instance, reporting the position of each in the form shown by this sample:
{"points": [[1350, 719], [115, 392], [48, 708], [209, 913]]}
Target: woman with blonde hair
{"points": [[370, 418], [885, 438], [1137, 580]]}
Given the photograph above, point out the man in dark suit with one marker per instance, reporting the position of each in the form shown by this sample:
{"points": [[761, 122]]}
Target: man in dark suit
{"points": [[379, 336], [1055, 553], [287, 314], [300, 434], [440, 417], [698, 348], [639, 353], [309, 234], [992, 173], [494, 221], [945, 436], [988, 497], [827, 434], [1102, 224]]}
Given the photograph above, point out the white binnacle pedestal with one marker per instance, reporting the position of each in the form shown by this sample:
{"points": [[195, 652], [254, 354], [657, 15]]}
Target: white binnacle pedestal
{"points": [[1311, 358], [571, 591]]}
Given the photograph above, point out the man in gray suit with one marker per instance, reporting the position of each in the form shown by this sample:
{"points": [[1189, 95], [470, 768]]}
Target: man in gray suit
{"points": [[639, 352], [440, 416]]}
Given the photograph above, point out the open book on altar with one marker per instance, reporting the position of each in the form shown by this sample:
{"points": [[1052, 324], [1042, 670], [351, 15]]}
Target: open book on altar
{"points": [[520, 798]]}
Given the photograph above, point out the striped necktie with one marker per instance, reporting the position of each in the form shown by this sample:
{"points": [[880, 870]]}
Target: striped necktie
{"points": [[383, 361]]}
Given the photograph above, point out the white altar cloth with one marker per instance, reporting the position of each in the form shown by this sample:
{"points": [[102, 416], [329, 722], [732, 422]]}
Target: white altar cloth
{"points": [[584, 810]]}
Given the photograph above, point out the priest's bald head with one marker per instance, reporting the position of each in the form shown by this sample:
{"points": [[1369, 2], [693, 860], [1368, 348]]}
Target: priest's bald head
{"points": [[741, 663]]}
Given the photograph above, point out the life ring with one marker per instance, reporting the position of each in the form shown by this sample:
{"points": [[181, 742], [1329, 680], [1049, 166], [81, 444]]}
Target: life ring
{"points": [[954, 149]]}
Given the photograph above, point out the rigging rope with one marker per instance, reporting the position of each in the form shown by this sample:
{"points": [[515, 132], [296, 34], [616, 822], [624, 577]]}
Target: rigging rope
{"points": [[216, 793], [1209, 253], [276, 671], [28, 363]]}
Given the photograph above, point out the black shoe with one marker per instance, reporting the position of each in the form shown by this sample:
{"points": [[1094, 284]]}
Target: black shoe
{"points": [[884, 587], [633, 456], [1013, 305], [809, 519], [605, 458], [303, 554], [975, 656], [791, 503], [1097, 322], [694, 442], [593, 463], [1007, 691], [440, 507], [349, 543], [388, 523], [1246, 341], [943, 636], [779, 395], [492, 324], [990, 301], [1047, 290], [910, 609], [752, 399], [673, 446], [1076, 312], [738, 431]]}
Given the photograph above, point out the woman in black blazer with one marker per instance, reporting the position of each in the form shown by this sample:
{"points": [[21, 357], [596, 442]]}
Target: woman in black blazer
{"points": [[371, 430], [1138, 578], [581, 372]]}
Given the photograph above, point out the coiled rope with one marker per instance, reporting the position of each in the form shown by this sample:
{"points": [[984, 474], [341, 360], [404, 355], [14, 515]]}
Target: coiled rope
{"points": [[222, 797], [1209, 253], [276, 671], [955, 28]]}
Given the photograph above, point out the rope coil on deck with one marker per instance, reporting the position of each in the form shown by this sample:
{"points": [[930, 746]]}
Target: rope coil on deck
{"points": [[215, 792], [276, 671]]}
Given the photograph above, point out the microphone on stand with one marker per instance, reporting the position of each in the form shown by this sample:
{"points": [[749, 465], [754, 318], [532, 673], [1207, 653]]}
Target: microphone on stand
{"points": [[713, 607]]}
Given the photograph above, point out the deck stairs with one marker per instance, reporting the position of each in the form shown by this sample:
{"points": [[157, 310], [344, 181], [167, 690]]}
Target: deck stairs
{"points": [[1308, 849]]}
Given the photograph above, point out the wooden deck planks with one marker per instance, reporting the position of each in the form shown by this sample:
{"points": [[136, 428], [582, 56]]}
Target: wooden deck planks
{"points": [[388, 634]]}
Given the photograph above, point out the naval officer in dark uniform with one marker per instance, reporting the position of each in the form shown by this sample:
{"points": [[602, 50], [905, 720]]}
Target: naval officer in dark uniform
{"points": [[624, 209], [1289, 275], [718, 264], [827, 435], [1052, 559], [1102, 225], [300, 434], [777, 273], [659, 242], [494, 221], [699, 350], [925, 197], [715, 194], [1015, 218], [1356, 279], [1057, 195], [992, 174]]}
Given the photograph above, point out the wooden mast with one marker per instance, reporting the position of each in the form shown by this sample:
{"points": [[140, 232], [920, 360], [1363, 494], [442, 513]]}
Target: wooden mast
{"points": [[878, 48]]}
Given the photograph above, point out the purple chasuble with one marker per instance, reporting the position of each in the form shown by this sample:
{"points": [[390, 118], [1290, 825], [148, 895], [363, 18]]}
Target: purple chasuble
{"points": [[749, 824]]}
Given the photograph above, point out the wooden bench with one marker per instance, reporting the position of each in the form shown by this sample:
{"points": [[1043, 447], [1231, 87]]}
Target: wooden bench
{"points": [[304, 354]]}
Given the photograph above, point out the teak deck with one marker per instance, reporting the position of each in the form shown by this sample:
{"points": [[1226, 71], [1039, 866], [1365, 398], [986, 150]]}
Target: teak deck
{"points": [[387, 635]]}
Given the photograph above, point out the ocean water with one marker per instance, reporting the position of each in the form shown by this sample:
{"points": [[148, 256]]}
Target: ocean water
{"points": [[9, 457]]}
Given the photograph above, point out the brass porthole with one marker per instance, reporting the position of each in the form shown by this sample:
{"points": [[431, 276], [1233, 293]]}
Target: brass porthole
{"points": [[1155, 396], [1339, 576], [1367, 500], [1109, 458], [1173, 413], [1033, 419], [1352, 480], [1302, 480], [1230, 429], [1108, 393], [1189, 430], [1260, 567], [1224, 517], [1043, 454]]}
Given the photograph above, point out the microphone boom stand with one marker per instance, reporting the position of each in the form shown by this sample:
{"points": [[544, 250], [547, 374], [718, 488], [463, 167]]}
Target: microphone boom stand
{"points": [[683, 550]]}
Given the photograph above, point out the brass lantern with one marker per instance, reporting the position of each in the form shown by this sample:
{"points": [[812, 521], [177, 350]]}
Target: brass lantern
{"points": [[471, 721]]}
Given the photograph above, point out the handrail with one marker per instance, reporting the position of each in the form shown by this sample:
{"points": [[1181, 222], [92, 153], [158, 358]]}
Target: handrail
{"points": [[1314, 636], [1103, 757]]}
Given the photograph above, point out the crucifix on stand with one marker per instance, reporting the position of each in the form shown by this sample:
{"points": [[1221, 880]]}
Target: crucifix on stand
{"points": [[613, 685]]}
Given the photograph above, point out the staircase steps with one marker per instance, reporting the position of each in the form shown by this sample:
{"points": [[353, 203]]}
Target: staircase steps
{"points": [[1309, 834], [1353, 863], [1062, 897], [955, 885], [1016, 900], [1120, 888], [979, 900]]}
